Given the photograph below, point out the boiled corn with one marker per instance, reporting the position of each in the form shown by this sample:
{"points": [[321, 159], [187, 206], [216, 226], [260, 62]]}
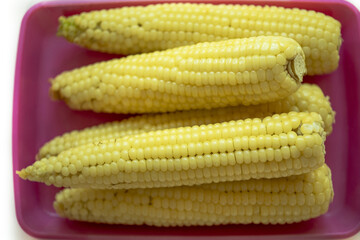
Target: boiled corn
{"points": [[206, 75], [308, 98], [276, 146], [267, 201], [130, 30]]}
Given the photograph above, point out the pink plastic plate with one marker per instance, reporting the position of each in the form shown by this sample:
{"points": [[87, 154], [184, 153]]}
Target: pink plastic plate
{"points": [[36, 119]]}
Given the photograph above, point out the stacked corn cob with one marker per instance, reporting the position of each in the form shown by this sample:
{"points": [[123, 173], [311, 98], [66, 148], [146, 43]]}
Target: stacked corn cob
{"points": [[206, 75], [238, 138], [140, 29]]}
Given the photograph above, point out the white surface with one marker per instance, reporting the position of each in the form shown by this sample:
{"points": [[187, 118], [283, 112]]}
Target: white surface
{"points": [[11, 14]]}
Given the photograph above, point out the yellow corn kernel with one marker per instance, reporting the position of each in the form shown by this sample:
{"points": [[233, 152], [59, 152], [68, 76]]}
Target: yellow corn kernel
{"points": [[140, 29], [309, 98], [134, 90], [231, 163], [251, 201]]}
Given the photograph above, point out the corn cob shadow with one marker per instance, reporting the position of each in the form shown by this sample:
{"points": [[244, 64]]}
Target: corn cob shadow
{"points": [[266, 201], [131, 30], [245, 71], [277, 146]]}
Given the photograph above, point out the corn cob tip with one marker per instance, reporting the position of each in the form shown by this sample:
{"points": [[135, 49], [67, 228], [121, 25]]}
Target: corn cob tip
{"points": [[64, 24], [59, 208], [61, 31], [22, 174], [297, 68], [54, 94], [68, 29]]}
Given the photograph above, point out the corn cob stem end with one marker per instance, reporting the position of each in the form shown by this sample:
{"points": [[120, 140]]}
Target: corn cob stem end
{"points": [[297, 68]]}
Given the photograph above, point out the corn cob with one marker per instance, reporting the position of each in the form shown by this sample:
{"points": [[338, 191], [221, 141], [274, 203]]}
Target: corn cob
{"points": [[130, 30], [206, 75], [267, 201], [308, 98], [276, 146]]}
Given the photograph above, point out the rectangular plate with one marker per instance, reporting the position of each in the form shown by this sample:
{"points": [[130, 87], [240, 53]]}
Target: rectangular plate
{"points": [[36, 119]]}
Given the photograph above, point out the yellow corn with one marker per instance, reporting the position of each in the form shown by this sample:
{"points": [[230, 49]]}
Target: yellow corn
{"points": [[267, 201], [308, 98], [277, 146], [206, 75], [130, 30]]}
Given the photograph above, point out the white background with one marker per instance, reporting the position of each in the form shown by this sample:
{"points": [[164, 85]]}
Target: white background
{"points": [[10, 18]]}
